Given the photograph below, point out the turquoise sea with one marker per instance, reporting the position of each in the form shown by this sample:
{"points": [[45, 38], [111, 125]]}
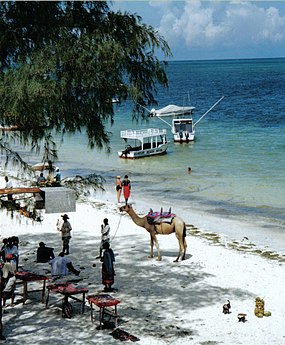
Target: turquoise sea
{"points": [[237, 187]]}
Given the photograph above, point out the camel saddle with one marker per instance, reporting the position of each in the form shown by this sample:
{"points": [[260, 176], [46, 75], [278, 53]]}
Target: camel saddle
{"points": [[159, 217]]}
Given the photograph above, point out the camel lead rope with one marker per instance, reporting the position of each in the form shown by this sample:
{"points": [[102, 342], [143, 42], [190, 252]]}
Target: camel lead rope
{"points": [[117, 228]]}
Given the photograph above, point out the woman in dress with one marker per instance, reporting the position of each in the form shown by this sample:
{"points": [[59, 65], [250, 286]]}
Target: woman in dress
{"points": [[126, 188], [108, 271]]}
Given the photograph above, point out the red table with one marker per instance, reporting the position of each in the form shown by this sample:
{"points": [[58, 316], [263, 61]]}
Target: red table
{"points": [[27, 277], [68, 290], [104, 301]]}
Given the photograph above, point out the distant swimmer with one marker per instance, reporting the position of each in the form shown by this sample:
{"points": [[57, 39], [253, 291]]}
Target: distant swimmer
{"points": [[189, 170]]}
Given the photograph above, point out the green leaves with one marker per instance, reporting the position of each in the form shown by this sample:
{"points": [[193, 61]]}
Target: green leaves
{"points": [[62, 62]]}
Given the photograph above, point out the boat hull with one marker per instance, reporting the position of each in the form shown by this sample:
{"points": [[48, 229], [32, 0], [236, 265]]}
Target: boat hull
{"points": [[42, 167], [183, 130], [183, 137], [138, 153]]}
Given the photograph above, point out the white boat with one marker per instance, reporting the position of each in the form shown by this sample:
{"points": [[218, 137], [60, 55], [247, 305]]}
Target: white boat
{"points": [[146, 142], [182, 126], [171, 110], [183, 130], [43, 166]]}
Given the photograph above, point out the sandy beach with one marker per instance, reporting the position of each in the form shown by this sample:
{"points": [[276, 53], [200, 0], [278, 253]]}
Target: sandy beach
{"points": [[162, 302]]}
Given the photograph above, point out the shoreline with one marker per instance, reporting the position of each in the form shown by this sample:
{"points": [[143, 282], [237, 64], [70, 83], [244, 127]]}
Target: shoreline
{"points": [[231, 232], [227, 229]]}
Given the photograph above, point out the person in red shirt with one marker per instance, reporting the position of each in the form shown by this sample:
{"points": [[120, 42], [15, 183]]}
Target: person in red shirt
{"points": [[126, 188]]}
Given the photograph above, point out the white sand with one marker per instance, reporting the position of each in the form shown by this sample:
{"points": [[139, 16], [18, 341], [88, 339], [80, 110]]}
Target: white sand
{"points": [[162, 302]]}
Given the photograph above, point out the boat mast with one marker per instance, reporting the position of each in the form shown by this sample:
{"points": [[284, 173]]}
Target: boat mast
{"points": [[213, 106]]}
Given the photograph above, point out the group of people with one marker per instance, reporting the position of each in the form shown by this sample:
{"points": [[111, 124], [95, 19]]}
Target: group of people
{"points": [[10, 260], [62, 266], [124, 185], [9, 250], [51, 179]]}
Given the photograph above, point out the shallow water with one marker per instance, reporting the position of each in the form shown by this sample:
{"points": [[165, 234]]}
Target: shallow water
{"points": [[237, 186]]}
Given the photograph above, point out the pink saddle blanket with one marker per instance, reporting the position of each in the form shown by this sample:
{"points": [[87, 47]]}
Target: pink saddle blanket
{"points": [[160, 217]]}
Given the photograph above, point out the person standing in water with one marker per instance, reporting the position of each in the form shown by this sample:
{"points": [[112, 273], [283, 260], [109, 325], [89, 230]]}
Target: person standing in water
{"points": [[119, 188], [126, 188]]}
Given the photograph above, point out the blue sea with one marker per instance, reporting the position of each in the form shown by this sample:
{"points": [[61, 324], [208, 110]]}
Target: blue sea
{"points": [[237, 184]]}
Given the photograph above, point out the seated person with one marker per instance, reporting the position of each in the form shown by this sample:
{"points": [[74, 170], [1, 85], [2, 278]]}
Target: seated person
{"points": [[44, 254], [8, 281], [50, 179], [60, 266], [41, 180], [57, 176], [9, 289]]}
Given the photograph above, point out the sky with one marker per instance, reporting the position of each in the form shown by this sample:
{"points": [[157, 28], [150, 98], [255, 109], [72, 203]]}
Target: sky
{"points": [[207, 30]]}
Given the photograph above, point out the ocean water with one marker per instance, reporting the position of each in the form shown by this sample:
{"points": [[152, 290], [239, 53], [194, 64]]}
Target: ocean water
{"points": [[237, 186]]}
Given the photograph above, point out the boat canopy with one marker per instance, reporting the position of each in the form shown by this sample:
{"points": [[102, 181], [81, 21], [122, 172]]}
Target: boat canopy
{"points": [[142, 133], [172, 110]]}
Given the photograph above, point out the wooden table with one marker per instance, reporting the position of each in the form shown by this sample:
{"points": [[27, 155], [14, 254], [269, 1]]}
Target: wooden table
{"points": [[68, 290], [104, 301], [27, 277]]}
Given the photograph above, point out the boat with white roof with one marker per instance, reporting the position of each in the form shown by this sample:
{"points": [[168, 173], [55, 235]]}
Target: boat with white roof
{"points": [[182, 126], [143, 142]]}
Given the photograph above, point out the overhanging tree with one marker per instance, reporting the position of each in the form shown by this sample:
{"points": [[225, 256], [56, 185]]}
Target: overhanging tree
{"points": [[62, 62]]}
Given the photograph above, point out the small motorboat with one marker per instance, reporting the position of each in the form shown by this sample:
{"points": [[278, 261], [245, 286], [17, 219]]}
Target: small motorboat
{"points": [[182, 126], [146, 142]]}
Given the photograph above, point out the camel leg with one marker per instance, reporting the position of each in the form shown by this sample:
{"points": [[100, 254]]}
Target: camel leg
{"points": [[182, 243], [158, 249], [180, 251], [185, 247], [151, 247]]}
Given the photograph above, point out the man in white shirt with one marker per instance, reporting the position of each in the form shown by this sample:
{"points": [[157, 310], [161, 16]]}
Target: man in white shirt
{"points": [[105, 235], [61, 266]]}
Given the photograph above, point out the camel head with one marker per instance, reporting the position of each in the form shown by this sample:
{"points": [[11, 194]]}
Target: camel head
{"points": [[125, 208]]}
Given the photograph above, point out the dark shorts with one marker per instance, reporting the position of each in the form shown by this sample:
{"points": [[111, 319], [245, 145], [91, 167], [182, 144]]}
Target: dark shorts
{"points": [[103, 242], [66, 240]]}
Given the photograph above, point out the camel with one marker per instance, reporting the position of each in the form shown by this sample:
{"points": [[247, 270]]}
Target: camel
{"points": [[177, 225]]}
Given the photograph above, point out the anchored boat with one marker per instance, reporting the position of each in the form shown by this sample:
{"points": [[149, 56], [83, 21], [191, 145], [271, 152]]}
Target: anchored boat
{"points": [[182, 126], [145, 142]]}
